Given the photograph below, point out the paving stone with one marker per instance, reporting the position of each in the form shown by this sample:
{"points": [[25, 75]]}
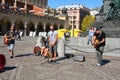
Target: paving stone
{"points": [[26, 66]]}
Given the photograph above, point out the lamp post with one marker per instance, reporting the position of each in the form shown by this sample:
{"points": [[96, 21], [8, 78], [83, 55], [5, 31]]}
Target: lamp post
{"points": [[73, 29], [73, 24], [64, 13]]}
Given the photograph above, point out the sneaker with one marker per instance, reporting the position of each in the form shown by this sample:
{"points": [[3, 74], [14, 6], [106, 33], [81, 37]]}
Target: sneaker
{"points": [[87, 43], [54, 61], [50, 61], [43, 57], [98, 65], [11, 57]]}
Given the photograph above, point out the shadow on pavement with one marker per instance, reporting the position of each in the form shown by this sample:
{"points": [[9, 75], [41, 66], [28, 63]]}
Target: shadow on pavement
{"points": [[23, 55], [67, 56], [105, 61], [7, 69]]}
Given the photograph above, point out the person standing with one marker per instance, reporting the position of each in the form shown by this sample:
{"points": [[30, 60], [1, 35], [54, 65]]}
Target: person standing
{"points": [[90, 35], [10, 35], [52, 39], [99, 42]]}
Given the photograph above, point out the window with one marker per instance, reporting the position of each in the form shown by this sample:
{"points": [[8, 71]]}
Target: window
{"points": [[70, 17], [70, 22], [74, 22], [74, 26], [74, 17], [75, 12]]}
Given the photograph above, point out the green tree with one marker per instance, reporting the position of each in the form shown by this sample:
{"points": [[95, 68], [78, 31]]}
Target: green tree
{"points": [[87, 21]]}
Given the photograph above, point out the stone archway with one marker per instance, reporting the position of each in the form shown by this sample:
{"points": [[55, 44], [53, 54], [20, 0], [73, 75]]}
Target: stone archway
{"points": [[39, 28], [47, 27], [19, 25], [55, 26], [30, 27], [5, 25], [61, 26]]}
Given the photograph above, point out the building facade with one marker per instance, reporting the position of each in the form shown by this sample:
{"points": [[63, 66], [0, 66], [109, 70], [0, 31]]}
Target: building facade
{"points": [[24, 15], [74, 13], [39, 3], [32, 6]]}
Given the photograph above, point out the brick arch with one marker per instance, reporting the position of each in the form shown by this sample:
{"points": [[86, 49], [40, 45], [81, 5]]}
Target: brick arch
{"points": [[39, 28], [30, 27], [4, 25]]}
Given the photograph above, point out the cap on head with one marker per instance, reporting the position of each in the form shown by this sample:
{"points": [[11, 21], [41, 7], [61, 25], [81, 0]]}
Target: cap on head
{"points": [[98, 28]]}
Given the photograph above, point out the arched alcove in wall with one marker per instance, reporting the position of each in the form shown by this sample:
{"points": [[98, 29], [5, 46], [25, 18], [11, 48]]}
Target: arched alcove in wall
{"points": [[19, 25], [4, 25], [55, 26], [30, 27], [47, 27], [61, 26], [39, 28]]}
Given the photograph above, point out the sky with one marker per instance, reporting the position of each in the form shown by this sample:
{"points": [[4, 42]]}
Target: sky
{"points": [[88, 3]]}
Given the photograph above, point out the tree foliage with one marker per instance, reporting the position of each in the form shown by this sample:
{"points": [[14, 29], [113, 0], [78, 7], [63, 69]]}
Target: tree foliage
{"points": [[87, 21]]}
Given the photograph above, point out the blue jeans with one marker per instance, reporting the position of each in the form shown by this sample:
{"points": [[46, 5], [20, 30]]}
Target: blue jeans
{"points": [[89, 39]]}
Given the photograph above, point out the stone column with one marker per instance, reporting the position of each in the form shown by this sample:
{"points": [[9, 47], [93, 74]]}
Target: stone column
{"points": [[61, 48], [40, 3], [36, 25], [3, 2], [34, 34], [58, 26], [15, 5], [25, 26], [25, 6], [44, 27], [46, 3]]}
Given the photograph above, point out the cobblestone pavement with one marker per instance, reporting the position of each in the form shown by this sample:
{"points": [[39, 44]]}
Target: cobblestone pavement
{"points": [[26, 66]]}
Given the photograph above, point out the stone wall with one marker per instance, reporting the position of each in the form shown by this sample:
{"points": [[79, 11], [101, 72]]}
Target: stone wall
{"points": [[80, 44]]}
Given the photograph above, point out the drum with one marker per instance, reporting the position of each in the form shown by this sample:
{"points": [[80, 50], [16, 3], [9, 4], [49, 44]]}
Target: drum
{"points": [[2, 61], [37, 51]]}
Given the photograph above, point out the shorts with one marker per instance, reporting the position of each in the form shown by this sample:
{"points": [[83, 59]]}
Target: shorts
{"points": [[11, 46], [53, 48]]}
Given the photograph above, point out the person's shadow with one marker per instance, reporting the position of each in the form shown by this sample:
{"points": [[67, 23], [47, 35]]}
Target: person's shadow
{"points": [[7, 69], [67, 56], [105, 61], [23, 55]]}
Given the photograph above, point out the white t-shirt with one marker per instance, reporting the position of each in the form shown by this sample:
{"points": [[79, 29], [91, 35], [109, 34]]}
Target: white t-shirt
{"points": [[52, 35], [39, 41]]}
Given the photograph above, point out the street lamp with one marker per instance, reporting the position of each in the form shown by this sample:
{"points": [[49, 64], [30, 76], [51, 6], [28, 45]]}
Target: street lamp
{"points": [[64, 13]]}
